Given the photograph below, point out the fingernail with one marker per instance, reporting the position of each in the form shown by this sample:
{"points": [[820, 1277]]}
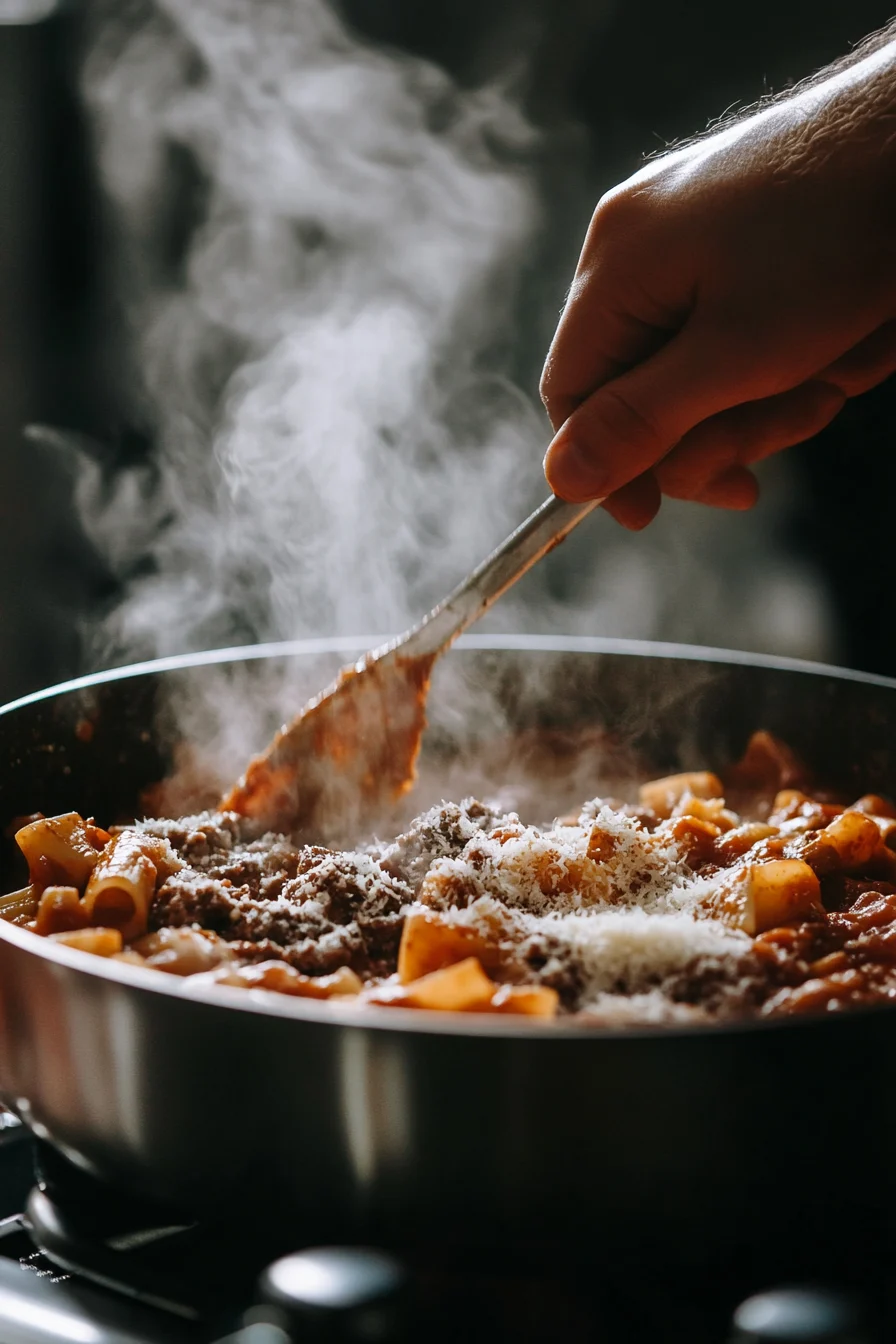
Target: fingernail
{"points": [[572, 472]]}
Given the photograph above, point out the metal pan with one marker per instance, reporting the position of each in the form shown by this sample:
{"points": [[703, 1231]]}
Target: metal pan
{"points": [[336, 1122]]}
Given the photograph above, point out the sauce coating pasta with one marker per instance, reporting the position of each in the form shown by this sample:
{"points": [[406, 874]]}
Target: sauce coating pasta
{"points": [[694, 903]]}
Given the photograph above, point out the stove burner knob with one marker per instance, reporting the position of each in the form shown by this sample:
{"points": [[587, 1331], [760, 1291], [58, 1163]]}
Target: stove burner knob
{"points": [[799, 1316], [343, 1295]]}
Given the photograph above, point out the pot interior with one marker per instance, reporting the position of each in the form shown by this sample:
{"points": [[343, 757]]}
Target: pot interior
{"points": [[545, 726]]}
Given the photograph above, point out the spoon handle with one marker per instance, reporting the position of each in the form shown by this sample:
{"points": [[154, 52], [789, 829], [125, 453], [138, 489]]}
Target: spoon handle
{"points": [[540, 533]]}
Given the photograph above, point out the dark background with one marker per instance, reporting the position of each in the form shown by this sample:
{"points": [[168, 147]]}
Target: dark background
{"points": [[606, 81]]}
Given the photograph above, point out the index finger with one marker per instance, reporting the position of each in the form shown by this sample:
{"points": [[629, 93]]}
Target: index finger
{"points": [[592, 346], [629, 424]]}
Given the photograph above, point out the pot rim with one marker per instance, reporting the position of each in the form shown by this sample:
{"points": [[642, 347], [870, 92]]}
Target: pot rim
{"points": [[521, 643], [455, 1025]]}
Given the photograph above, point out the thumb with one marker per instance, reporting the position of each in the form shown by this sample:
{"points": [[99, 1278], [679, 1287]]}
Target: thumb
{"points": [[629, 424]]}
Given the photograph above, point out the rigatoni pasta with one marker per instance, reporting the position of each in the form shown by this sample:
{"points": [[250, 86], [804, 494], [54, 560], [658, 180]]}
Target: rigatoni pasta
{"points": [[60, 850], [696, 902], [123, 881]]}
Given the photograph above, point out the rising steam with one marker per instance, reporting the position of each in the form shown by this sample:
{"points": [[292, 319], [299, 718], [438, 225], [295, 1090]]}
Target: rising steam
{"points": [[323, 343], [325, 374]]}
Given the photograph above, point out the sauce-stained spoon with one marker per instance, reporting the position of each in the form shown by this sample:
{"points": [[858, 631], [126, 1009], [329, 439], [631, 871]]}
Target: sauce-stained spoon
{"points": [[341, 764]]}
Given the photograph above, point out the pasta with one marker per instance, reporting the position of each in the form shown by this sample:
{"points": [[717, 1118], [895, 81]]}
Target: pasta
{"points": [[60, 849], [123, 880], [702, 900]]}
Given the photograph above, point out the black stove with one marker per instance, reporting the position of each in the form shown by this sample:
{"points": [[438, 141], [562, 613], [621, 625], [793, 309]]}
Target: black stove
{"points": [[82, 1264]]}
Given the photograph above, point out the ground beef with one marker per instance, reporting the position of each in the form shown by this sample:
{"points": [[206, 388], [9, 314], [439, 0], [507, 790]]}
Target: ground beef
{"points": [[825, 964], [720, 989], [540, 959], [209, 837], [618, 909], [212, 844], [315, 908], [441, 833]]}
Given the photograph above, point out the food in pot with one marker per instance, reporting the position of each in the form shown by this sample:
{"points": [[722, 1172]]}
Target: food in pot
{"points": [[683, 906]]}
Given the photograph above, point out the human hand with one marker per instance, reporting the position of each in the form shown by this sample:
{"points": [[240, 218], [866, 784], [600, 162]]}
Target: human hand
{"points": [[729, 298]]}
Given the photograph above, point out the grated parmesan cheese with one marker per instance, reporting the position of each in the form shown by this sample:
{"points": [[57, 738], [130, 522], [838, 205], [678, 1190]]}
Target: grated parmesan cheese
{"points": [[606, 910], [615, 905]]}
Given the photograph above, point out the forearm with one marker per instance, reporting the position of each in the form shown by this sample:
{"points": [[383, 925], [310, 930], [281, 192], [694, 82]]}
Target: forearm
{"points": [[844, 70]]}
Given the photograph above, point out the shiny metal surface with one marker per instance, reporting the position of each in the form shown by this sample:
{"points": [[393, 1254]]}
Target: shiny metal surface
{"points": [[35, 1311], [330, 1122], [549, 525]]}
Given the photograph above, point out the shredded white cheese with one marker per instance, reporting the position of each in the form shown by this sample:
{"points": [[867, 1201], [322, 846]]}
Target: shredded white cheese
{"points": [[613, 901]]}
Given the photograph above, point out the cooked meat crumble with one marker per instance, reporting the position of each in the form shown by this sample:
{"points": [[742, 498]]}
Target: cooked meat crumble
{"points": [[311, 907], [675, 908], [440, 833]]}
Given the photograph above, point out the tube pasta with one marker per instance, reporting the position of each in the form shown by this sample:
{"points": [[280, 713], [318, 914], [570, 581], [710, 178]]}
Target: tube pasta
{"points": [[123, 882], [474, 912], [887, 828], [664, 795], [527, 1000], [875, 806], [849, 841], [98, 941], [710, 810], [430, 942], [464, 987], [282, 978], [695, 838], [19, 907], [59, 850], [180, 951], [764, 895], [734, 844], [59, 910], [461, 988]]}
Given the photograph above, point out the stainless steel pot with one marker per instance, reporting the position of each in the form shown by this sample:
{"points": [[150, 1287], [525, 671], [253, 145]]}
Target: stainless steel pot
{"points": [[327, 1121]]}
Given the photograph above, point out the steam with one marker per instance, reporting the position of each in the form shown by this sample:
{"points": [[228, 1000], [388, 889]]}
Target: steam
{"points": [[337, 439], [322, 249]]}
